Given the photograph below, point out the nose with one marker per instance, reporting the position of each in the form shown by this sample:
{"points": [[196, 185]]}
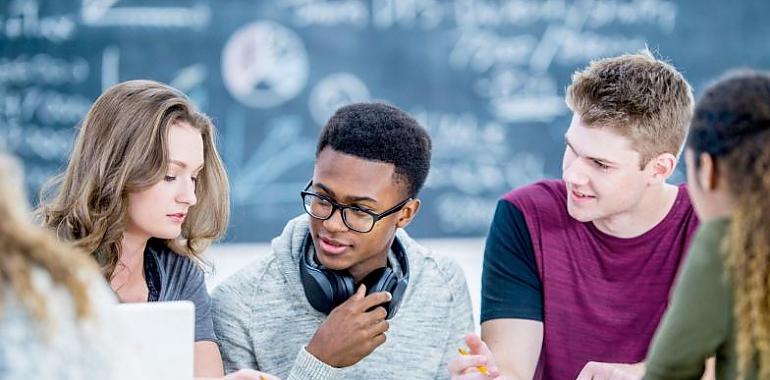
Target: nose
{"points": [[335, 222], [574, 173], [186, 193]]}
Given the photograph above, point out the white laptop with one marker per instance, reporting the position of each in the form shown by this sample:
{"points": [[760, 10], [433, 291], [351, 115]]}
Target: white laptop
{"points": [[155, 340]]}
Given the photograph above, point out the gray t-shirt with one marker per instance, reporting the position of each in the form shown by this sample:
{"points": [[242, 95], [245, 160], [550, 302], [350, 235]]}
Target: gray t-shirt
{"points": [[173, 277]]}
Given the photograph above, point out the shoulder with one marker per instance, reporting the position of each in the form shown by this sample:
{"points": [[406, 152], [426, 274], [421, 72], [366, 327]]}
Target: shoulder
{"points": [[270, 278], [82, 347], [540, 205], [507, 216], [172, 262], [683, 204], [429, 266], [256, 278], [181, 277], [707, 249], [539, 194], [58, 297]]}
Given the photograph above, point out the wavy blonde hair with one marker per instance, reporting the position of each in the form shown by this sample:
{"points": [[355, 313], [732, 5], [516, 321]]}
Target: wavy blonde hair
{"points": [[732, 123], [24, 247], [122, 148]]}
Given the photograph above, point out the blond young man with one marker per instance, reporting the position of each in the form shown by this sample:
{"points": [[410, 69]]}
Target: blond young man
{"points": [[577, 271]]}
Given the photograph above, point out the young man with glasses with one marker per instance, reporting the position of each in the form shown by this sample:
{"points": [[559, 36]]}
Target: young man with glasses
{"points": [[345, 293]]}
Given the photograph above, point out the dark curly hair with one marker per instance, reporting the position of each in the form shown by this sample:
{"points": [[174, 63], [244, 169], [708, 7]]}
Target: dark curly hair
{"points": [[732, 125], [381, 132]]}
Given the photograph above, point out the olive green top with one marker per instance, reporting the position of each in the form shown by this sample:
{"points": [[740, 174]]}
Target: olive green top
{"points": [[699, 321]]}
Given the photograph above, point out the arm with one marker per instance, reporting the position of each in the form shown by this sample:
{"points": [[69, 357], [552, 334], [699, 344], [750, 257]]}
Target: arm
{"points": [[208, 362], [511, 301], [231, 320], [460, 317], [697, 322], [516, 344], [208, 365], [511, 295]]}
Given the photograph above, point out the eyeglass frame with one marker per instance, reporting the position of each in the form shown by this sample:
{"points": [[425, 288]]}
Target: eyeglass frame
{"points": [[335, 206]]}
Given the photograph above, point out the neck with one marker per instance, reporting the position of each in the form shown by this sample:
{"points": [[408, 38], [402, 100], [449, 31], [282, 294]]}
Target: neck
{"points": [[644, 216], [361, 270], [130, 268], [715, 205]]}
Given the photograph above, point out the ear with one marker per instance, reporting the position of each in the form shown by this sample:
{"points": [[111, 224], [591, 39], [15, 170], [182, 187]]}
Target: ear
{"points": [[707, 173], [662, 167], [408, 213]]}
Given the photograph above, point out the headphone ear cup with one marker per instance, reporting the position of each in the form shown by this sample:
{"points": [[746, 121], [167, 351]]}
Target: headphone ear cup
{"points": [[379, 280], [318, 290], [383, 280], [344, 287], [398, 293], [324, 289]]}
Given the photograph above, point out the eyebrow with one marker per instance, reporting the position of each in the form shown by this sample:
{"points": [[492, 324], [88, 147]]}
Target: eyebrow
{"points": [[183, 165], [348, 199], [602, 160]]}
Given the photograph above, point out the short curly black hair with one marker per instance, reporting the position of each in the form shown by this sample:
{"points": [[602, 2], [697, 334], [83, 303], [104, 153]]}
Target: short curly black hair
{"points": [[381, 132]]}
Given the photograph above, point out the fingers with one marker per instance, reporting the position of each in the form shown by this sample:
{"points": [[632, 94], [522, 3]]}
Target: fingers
{"points": [[460, 363], [475, 344], [377, 314], [373, 300], [250, 374], [478, 347], [379, 327], [360, 293], [372, 344], [471, 376]]}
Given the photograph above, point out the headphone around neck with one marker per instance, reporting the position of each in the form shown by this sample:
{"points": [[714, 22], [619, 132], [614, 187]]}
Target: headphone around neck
{"points": [[326, 289]]}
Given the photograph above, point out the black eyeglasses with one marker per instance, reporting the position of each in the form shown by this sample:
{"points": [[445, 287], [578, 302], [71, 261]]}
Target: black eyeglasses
{"points": [[355, 218]]}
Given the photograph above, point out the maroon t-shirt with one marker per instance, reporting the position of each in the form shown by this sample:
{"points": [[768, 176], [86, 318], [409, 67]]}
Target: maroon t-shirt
{"points": [[603, 296]]}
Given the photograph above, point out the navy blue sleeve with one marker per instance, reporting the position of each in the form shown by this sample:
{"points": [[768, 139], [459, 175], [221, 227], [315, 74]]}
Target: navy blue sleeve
{"points": [[510, 284]]}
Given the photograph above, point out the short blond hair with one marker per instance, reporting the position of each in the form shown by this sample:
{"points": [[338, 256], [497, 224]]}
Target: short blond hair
{"points": [[640, 97]]}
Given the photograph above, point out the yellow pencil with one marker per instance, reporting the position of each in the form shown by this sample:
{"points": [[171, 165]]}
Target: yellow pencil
{"points": [[481, 368]]}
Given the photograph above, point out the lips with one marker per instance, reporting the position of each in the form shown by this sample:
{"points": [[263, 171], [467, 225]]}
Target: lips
{"points": [[331, 246], [580, 196], [177, 217]]}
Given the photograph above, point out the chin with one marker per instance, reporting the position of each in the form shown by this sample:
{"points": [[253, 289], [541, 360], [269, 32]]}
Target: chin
{"points": [[333, 262], [167, 234], [580, 215]]}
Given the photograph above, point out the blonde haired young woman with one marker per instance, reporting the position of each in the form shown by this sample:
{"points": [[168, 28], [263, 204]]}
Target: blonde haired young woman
{"points": [[145, 192], [53, 305]]}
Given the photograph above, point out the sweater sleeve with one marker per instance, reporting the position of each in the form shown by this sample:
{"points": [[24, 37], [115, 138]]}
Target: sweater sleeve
{"points": [[231, 325], [308, 367], [460, 315]]}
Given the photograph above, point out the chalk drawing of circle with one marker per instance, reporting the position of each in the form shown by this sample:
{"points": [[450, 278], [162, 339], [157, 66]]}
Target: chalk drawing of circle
{"points": [[335, 91], [264, 64]]}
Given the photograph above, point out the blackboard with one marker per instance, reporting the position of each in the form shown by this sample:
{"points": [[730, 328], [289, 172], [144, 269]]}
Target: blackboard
{"points": [[486, 77]]}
